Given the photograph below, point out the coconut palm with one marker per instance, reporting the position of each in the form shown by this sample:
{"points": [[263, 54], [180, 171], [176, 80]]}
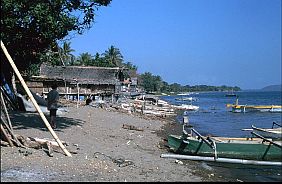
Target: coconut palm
{"points": [[65, 53], [113, 56], [85, 59]]}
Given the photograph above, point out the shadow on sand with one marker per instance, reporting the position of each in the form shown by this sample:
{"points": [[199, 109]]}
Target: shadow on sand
{"points": [[24, 120]]}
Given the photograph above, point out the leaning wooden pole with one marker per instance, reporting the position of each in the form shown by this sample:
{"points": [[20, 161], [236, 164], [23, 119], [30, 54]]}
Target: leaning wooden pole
{"points": [[33, 100], [6, 136]]}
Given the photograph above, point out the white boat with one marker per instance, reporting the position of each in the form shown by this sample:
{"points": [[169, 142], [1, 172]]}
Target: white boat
{"points": [[274, 133], [186, 99], [187, 107], [269, 132], [184, 94]]}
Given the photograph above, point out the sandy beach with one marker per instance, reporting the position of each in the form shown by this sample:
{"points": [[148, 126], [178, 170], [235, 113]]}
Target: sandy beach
{"points": [[102, 150]]}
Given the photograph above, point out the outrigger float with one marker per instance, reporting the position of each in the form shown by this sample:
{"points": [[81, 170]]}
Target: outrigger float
{"points": [[247, 108]]}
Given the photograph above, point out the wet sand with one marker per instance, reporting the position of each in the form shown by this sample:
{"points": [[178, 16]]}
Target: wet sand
{"points": [[105, 150]]}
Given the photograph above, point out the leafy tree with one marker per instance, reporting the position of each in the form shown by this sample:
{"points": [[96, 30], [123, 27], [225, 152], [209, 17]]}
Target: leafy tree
{"points": [[30, 28], [175, 87], [130, 66], [113, 57], [99, 61], [150, 82]]}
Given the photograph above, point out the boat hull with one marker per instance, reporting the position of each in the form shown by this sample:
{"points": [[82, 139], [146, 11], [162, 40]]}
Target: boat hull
{"points": [[275, 133], [254, 109], [250, 150]]}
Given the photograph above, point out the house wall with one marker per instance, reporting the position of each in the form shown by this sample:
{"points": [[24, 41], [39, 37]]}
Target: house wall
{"points": [[64, 88], [35, 86]]}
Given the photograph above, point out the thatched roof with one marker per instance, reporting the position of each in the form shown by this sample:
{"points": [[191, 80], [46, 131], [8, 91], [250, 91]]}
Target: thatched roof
{"points": [[80, 74]]}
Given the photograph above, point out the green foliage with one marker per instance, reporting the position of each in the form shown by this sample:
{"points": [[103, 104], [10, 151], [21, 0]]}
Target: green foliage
{"points": [[150, 82], [85, 59], [99, 61], [65, 53], [130, 66], [113, 57], [29, 28]]}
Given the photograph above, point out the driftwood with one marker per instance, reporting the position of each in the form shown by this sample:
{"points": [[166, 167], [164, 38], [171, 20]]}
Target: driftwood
{"points": [[29, 143], [47, 145], [131, 127], [4, 143], [44, 141]]}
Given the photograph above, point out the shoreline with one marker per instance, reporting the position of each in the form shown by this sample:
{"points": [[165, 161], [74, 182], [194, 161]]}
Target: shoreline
{"points": [[105, 150]]}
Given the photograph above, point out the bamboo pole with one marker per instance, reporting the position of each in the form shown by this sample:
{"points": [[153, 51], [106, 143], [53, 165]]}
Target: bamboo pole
{"points": [[6, 136], [5, 109], [11, 133], [8, 118], [33, 100], [223, 160]]}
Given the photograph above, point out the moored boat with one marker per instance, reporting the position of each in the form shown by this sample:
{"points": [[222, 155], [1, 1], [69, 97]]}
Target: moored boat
{"points": [[274, 133], [258, 148], [186, 99], [249, 108], [186, 107]]}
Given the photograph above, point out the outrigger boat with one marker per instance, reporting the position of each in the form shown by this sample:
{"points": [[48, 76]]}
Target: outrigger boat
{"points": [[231, 94], [274, 133], [256, 150], [246, 108]]}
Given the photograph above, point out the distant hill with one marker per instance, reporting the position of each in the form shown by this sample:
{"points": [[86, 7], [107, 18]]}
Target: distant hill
{"points": [[272, 88]]}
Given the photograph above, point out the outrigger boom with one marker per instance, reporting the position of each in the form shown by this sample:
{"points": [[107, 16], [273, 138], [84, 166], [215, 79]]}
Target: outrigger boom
{"points": [[223, 160]]}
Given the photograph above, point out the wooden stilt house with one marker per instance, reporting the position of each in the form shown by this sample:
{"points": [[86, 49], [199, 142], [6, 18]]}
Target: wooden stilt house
{"points": [[78, 81]]}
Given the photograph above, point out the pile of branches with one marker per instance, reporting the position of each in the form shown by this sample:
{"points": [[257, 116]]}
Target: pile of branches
{"points": [[8, 138]]}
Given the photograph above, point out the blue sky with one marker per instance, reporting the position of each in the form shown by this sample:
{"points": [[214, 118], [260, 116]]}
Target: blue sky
{"points": [[193, 42]]}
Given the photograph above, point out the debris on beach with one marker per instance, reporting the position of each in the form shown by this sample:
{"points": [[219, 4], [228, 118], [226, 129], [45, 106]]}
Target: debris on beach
{"points": [[131, 127], [148, 105]]}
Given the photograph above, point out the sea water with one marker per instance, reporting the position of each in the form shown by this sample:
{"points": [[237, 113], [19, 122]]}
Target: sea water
{"points": [[215, 118]]}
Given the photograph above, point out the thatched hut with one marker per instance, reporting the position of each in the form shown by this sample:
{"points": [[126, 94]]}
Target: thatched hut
{"points": [[74, 81]]}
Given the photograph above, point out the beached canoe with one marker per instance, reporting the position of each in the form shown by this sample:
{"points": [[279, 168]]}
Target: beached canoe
{"points": [[226, 147]]}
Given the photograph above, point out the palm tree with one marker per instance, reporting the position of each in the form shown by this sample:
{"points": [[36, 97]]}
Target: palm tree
{"points": [[131, 66], [85, 59], [65, 53], [113, 56]]}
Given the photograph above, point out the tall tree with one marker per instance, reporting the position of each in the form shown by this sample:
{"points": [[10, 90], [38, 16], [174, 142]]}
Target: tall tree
{"points": [[131, 66], [99, 61], [113, 56], [150, 82], [66, 53], [85, 59], [29, 28]]}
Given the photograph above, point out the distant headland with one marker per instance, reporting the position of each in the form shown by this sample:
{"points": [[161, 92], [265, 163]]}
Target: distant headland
{"points": [[272, 88]]}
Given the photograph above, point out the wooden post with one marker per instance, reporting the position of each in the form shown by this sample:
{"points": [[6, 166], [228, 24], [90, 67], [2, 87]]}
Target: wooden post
{"points": [[77, 95], [33, 100]]}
